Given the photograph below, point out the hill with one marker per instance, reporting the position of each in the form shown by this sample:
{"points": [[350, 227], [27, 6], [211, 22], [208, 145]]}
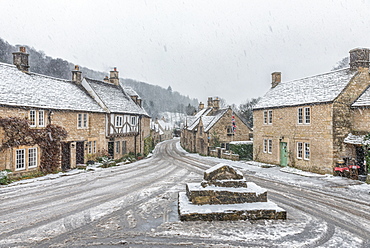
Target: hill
{"points": [[156, 99]]}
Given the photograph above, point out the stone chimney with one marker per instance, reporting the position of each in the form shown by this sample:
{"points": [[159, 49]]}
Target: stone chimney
{"points": [[140, 102], [359, 57], [210, 102], [216, 104], [106, 79], [76, 75], [20, 59], [114, 77], [201, 106], [276, 79]]}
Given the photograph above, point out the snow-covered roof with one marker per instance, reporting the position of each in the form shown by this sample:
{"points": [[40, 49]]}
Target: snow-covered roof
{"points": [[39, 91], [165, 125], [115, 98], [315, 89], [363, 100], [247, 142], [356, 139], [130, 91], [208, 120]]}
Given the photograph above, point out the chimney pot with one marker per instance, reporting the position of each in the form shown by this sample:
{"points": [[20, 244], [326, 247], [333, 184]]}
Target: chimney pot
{"points": [[276, 79], [359, 58]]}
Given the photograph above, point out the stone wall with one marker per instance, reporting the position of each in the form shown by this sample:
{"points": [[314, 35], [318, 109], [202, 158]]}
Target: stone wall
{"points": [[285, 128], [197, 141], [342, 113]]}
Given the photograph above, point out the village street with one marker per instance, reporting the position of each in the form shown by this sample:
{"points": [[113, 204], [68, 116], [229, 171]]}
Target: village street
{"points": [[135, 205]]}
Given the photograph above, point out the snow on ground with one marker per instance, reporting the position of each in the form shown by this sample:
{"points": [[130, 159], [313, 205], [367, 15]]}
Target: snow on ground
{"points": [[290, 175]]}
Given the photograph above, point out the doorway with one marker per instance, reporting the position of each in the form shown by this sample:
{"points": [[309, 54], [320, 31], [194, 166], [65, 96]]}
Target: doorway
{"points": [[66, 156], [80, 152], [283, 154], [111, 149]]}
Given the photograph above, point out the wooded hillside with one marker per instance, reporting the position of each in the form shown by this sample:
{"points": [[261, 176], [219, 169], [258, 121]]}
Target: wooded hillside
{"points": [[155, 98]]}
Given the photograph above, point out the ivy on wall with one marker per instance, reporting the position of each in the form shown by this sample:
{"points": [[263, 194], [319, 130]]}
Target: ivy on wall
{"points": [[17, 132]]}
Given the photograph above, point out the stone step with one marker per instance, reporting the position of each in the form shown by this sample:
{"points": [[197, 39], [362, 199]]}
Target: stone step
{"points": [[242, 211], [200, 195]]}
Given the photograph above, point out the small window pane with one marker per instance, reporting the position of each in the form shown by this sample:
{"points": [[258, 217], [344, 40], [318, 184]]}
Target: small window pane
{"points": [[306, 151], [32, 157], [307, 112], [300, 115], [33, 118], [20, 159], [41, 118], [299, 149]]}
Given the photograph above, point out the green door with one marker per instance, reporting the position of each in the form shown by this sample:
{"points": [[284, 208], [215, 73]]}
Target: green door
{"points": [[283, 154]]}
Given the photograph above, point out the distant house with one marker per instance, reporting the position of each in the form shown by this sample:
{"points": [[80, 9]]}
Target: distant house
{"points": [[98, 117], [305, 123], [166, 129], [213, 127]]}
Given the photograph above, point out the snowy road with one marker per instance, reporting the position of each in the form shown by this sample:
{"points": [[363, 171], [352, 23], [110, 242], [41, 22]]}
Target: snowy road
{"points": [[135, 205]]}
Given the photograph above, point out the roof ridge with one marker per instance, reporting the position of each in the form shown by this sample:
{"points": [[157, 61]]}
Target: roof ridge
{"points": [[321, 74]]}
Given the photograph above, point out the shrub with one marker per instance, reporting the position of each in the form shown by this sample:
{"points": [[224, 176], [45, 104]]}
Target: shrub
{"points": [[245, 151]]}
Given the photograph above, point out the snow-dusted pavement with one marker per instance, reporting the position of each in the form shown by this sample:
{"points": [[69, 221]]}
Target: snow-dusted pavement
{"points": [[135, 205]]}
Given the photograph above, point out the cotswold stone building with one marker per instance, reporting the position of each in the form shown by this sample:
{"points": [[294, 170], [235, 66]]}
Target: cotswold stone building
{"points": [[305, 123], [213, 127], [99, 117]]}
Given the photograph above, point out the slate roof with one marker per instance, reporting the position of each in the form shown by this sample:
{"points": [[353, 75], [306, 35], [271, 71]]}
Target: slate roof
{"points": [[130, 91], [115, 98], [363, 100], [208, 120], [315, 89], [39, 91]]}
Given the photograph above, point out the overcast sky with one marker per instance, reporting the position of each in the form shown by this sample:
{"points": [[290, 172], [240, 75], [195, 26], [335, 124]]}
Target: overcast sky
{"points": [[201, 48]]}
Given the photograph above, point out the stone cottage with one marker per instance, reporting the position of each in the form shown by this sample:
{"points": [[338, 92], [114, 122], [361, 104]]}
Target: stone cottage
{"points": [[94, 115], [304, 123], [44, 100], [127, 122], [213, 127]]}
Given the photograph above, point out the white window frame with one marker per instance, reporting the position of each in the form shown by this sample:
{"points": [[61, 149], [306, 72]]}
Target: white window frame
{"points": [[270, 117], [33, 118], [300, 115], [133, 120], [299, 150], [265, 117], [118, 147], [94, 146], [265, 145], [307, 115], [119, 121], [82, 120], [85, 120], [20, 159], [89, 147], [32, 157], [41, 118], [269, 147], [307, 152]]}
